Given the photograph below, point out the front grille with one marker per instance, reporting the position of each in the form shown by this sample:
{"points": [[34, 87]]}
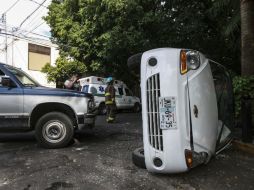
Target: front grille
{"points": [[153, 94]]}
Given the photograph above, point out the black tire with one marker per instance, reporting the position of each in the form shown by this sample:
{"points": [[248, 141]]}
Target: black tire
{"points": [[54, 130], [138, 158], [102, 109], [137, 107], [134, 61]]}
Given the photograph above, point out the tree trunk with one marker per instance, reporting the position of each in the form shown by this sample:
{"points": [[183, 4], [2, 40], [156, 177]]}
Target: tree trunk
{"points": [[247, 37]]}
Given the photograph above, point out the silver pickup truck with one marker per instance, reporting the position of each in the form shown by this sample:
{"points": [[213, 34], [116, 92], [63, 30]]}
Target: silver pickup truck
{"points": [[54, 114]]}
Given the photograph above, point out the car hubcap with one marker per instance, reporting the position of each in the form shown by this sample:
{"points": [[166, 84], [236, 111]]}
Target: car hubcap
{"points": [[54, 132]]}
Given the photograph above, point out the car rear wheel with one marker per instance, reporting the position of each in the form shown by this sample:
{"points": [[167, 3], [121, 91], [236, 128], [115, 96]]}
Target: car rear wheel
{"points": [[137, 108], [54, 130], [102, 109], [138, 158]]}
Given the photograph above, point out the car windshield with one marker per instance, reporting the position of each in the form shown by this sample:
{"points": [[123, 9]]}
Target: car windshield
{"points": [[24, 78]]}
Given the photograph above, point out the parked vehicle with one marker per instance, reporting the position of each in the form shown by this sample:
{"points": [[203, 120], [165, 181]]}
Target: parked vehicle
{"points": [[182, 127], [54, 114], [124, 97]]}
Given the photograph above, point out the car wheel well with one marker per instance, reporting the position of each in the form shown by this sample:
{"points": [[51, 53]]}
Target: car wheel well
{"points": [[44, 108]]}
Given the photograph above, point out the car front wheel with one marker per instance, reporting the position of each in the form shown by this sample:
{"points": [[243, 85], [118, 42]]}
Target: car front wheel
{"points": [[54, 130]]}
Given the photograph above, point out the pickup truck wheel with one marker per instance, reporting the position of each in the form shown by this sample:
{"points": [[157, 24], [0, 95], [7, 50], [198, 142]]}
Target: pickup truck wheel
{"points": [[138, 158], [102, 109], [137, 108], [54, 130]]}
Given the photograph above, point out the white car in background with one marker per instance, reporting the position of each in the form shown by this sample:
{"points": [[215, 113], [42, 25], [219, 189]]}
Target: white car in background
{"points": [[124, 96], [184, 123]]}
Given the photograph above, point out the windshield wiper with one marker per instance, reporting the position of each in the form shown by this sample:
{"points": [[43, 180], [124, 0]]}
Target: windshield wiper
{"points": [[30, 85]]}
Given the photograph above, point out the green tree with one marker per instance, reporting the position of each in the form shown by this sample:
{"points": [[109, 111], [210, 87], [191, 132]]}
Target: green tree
{"points": [[104, 33], [225, 16], [63, 70], [247, 37]]}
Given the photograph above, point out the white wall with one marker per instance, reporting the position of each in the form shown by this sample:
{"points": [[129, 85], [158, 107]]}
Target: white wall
{"points": [[18, 57]]}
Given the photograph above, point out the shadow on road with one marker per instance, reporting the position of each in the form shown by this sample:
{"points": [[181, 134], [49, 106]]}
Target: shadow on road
{"points": [[15, 137]]}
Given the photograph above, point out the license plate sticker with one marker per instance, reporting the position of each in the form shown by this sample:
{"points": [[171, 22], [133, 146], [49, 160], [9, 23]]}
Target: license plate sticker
{"points": [[167, 106]]}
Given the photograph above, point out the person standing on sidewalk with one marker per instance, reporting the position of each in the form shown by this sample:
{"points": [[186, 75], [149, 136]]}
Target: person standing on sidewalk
{"points": [[110, 100]]}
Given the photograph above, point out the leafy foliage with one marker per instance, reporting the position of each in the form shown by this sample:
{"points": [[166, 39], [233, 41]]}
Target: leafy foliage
{"points": [[243, 89], [102, 34], [63, 70], [225, 15], [229, 13]]}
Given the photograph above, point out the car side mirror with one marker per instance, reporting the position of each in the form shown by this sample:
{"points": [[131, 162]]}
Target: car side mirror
{"points": [[7, 82]]}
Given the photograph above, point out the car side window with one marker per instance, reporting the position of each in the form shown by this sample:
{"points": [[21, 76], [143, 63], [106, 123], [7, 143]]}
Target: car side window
{"points": [[1, 75], [120, 90]]}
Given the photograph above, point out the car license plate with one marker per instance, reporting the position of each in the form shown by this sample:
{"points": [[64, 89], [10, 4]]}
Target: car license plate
{"points": [[167, 106]]}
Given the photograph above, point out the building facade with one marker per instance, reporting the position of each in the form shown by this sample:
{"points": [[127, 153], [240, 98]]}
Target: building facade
{"points": [[31, 55]]}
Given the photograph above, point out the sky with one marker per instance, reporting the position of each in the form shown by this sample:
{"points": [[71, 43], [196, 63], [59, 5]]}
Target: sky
{"points": [[19, 10]]}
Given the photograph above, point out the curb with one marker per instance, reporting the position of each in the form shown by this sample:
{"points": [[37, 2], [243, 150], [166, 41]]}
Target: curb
{"points": [[246, 147]]}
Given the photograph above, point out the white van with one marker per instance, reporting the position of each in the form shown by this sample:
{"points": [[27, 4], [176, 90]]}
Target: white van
{"points": [[184, 119], [124, 97]]}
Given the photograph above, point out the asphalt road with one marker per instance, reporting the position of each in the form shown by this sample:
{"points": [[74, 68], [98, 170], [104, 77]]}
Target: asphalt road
{"points": [[101, 159]]}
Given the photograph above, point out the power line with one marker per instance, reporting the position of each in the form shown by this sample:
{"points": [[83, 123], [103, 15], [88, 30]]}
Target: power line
{"points": [[27, 39], [11, 6], [31, 31], [38, 3], [34, 21], [31, 13], [6, 40], [36, 27], [3, 49], [14, 29]]}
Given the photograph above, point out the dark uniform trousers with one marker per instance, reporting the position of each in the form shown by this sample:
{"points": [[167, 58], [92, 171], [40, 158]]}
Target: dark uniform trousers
{"points": [[111, 112]]}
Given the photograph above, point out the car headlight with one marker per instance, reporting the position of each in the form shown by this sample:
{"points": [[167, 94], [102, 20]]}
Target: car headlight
{"points": [[189, 60]]}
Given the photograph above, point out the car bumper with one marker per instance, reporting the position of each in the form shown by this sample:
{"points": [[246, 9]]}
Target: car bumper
{"points": [[89, 118], [86, 120]]}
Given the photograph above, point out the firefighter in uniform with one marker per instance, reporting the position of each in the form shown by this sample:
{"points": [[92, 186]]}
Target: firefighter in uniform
{"points": [[110, 100]]}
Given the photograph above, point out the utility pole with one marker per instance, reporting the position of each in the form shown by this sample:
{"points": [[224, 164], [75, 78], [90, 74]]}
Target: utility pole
{"points": [[6, 46]]}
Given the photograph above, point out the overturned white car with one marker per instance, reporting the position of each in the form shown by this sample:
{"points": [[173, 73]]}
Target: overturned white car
{"points": [[184, 116]]}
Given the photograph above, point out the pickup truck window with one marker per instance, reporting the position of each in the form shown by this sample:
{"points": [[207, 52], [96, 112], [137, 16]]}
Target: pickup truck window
{"points": [[22, 77], [1, 74]]}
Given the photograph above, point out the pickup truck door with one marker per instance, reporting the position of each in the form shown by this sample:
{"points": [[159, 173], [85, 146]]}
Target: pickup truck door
{"points": [[11, 107]]}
